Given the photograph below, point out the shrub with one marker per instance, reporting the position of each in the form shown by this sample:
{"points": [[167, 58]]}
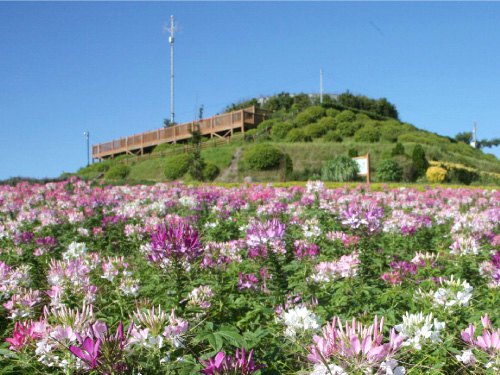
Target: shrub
{"points": [[315, 130], [210, 172], [332, 112], [267, 125], [261, 157], [340, 169], [461, 176], [328, 122], [177, 166], [250, 135], [367, 134], [347, 129], [280, 130], [117, 172], [435, 174], [345, 116], [333, 136], [352, 153], [389, 171], [419, 160], [297, 135], [399, 149], [410, 173], [309, 115]]}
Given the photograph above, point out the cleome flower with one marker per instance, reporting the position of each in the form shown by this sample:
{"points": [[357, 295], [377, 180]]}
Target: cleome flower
{"points": [[299, 320], [354, 346], [418, 329], [223, 364]]}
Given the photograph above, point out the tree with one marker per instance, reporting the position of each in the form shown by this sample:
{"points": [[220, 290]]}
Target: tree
{"points": [[419, 160], [197, 163], [465, 137]]}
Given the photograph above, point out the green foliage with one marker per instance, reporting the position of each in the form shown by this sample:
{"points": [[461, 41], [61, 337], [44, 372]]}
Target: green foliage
{"points": [[328, 122], [280, 130], [422, 138], [348, 129], [352, 153], [117, 172], [210, 172], [332, 112], [341, 169], [282, 101], [389, 171], [316, 130], [345, 116], [379, 106], [298, 135], [333, 136], [367, 134], [261, 157], [465, 137], [409, 172], [308, 116], [461, 176], [242, 105], [419, 160], [177, 166], [399, 149]]}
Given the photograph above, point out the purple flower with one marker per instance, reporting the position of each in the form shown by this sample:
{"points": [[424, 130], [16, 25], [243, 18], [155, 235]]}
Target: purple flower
{"points": [[89, 352], [178, 240], [223, 364]]}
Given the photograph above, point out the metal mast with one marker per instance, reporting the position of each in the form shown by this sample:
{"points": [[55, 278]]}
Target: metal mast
{"points": [[171, 30], [473, 142], [321, 86]]}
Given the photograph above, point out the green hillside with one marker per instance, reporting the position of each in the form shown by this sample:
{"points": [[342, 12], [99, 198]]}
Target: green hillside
{"points": [[309, 134]]}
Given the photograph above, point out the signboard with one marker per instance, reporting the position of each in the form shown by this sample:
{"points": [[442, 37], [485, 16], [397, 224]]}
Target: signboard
{"points": [[364, 166]]}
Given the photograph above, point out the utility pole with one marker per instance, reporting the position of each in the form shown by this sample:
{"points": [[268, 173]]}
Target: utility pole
{"points": [[321, 86], [171, 30]]}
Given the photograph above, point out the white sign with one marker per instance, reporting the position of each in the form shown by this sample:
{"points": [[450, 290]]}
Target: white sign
{"points": [[362, 165]]}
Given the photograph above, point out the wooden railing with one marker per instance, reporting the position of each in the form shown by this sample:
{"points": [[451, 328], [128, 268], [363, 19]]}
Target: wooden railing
{"points": [[209, 126]]}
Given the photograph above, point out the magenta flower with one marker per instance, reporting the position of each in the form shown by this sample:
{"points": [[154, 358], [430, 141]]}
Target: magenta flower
{"points": [[89, 352], [223, 364], [178, 240], [488, 341]]}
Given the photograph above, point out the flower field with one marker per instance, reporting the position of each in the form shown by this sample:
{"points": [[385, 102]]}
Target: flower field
{"points": [[171, 279]]}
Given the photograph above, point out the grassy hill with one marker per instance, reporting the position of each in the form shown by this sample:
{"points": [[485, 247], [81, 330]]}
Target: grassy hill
{"points": [[310, 134]]}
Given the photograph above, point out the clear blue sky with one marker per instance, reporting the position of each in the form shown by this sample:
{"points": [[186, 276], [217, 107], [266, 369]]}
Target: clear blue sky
{"points": [[104, 67]]}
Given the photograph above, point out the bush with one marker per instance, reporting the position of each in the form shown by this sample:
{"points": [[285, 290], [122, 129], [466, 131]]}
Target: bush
{"points": [[297, 135], [261, 157], [280, 130], [117, 172], [210, 172], [332, 112], [352, 153], [389, 171], [340, 169], [177, 166], [435, 174], [250, 135], [410, 173], [333, 136], [367, 134], [308, 116], [345, 116], [462, 176], [347, 129], [328, 122], [399, 149], [419, 160], [316, 130]]}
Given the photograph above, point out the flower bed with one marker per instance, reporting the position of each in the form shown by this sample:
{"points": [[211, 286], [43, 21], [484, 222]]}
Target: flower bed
{"points": [[174, 279]]}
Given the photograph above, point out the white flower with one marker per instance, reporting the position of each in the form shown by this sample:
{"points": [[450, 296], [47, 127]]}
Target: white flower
{"points": [[75, 250], [391, 368], [467, 358], [299, 319], [321, 369], [417, 328]]}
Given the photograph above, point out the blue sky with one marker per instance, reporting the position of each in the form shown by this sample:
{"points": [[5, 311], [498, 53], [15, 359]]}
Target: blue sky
{"points": [[104, 67]]}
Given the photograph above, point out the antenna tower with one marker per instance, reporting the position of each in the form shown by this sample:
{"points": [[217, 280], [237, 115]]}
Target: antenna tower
{"points": [[171, 30], [473, 142]]}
